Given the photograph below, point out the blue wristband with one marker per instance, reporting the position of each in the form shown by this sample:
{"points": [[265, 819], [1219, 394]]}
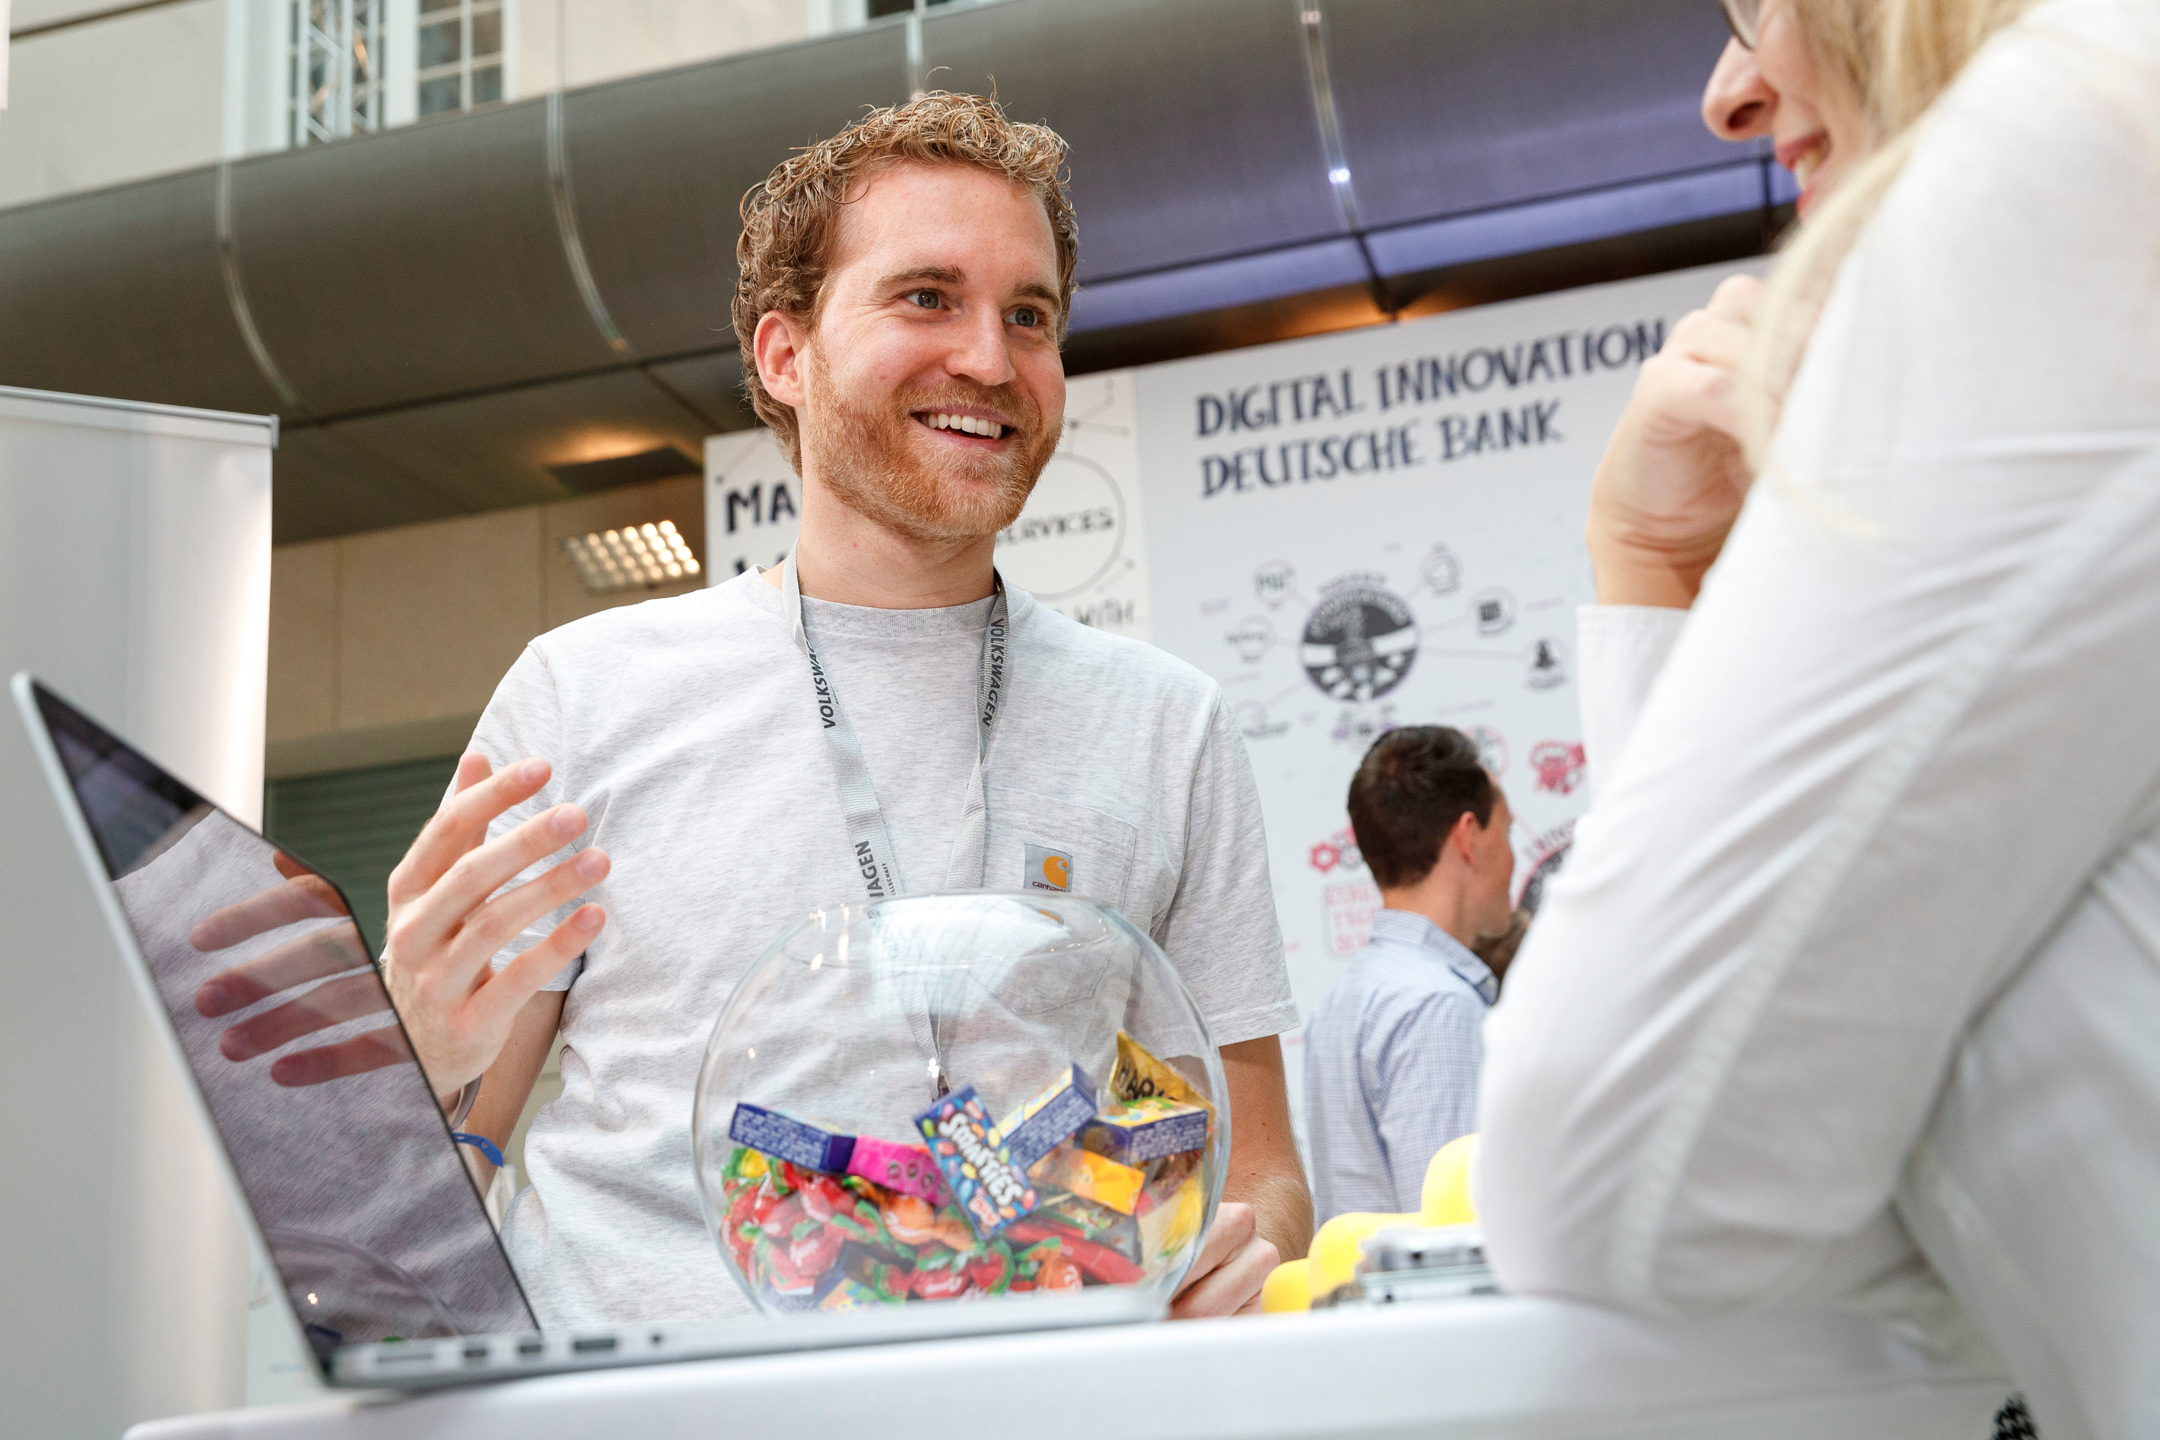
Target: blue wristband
{"points": [[481, 1143]]}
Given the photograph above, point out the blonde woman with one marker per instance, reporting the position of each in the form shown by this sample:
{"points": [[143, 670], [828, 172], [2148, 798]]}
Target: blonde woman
{"points": [[1851, 987]]}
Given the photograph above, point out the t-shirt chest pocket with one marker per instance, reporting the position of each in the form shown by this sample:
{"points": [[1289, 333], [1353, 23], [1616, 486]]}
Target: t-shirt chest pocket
{"points": [[1039, 842]]}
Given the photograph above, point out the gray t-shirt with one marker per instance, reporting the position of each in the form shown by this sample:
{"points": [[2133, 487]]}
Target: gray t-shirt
{"points": [[687, 729]]}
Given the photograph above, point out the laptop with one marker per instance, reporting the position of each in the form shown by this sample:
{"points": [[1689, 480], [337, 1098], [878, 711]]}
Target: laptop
{"points": [[341, 1158]]}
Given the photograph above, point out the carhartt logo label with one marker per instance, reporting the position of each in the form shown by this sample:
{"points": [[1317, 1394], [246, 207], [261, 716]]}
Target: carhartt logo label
{"points": [[1047, 869]]}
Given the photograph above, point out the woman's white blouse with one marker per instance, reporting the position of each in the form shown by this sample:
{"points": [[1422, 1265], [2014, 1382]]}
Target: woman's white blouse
{"points": [[1859, 943]]}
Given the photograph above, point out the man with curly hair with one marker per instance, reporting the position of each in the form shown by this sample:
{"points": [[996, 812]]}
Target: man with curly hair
{"points": [[698, 781]]}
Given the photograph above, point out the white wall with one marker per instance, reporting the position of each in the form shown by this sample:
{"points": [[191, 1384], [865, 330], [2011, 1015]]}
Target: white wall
{"points": [[113, 100], [582, 42], [135, 579], [178, 85]]}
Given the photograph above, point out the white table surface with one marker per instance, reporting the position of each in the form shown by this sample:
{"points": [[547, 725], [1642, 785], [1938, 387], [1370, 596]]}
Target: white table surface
{"points": [[1490, 1367]]}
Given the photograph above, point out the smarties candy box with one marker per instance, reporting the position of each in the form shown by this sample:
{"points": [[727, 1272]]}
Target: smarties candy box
{"points": [[977, 1168]]}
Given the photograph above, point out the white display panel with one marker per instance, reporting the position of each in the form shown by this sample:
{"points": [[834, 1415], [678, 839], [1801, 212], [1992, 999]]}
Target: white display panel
{"points": [[753, 504], [1081, 544], [1384, 527], [135, 579]]}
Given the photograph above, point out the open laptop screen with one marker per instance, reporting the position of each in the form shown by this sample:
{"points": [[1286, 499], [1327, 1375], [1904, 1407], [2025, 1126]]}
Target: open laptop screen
{"points": [[372, 1221]]}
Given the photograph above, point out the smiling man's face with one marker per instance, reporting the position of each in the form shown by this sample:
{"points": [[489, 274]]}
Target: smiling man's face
{"points": [[932, 391]]}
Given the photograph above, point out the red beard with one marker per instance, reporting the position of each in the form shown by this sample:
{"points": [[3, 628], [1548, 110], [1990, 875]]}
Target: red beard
{"points": [[880, 471]]}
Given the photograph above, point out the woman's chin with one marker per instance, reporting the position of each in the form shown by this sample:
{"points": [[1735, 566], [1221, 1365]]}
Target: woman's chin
{"points": [[1815, 188]]}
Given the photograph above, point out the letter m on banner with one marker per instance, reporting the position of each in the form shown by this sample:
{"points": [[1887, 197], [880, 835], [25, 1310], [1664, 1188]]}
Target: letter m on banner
{"points": [[752, 504]]}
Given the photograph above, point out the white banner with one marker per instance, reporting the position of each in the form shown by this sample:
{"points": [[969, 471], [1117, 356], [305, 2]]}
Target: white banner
{"points": [[1080, 546], [1384, 527], [753, 504]]}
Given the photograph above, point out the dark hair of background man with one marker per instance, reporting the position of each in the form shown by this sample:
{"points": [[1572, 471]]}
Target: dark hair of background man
{"points": [[1409, 790]]}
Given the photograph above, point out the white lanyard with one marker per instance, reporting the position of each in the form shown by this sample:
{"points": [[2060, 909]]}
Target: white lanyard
{"points": [[873, 854]]}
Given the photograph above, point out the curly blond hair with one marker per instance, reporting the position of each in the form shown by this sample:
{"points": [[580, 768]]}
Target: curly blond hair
{"points": [[789, 220]]}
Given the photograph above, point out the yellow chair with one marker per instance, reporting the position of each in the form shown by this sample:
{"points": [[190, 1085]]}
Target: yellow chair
{"points": [[1332, 1261]]}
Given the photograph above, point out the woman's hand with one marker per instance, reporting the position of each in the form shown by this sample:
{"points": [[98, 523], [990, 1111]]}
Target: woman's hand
{"points": [[1673, 478]]}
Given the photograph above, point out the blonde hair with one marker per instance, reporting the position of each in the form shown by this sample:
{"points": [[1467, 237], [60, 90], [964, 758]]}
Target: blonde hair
{"points": [[1897, 57], [790, 218]]}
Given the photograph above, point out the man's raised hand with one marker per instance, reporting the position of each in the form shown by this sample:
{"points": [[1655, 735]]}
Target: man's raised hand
{"points": [[444, 930]]}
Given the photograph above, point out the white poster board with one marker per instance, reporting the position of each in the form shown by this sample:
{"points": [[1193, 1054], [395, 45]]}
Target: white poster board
{"points": [[753, 504], [1384, 527], [1080, 545]]}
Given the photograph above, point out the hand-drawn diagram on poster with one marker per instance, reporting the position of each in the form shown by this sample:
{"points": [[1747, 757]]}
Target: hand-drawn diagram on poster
{"points": [[1384, 528], [1341, 660], [1080, 545]]}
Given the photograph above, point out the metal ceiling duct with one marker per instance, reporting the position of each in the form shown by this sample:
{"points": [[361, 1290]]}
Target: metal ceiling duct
{"points": [[443, 312]]}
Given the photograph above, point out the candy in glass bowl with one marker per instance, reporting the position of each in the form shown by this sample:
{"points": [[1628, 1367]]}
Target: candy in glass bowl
{"points": [[958, 1097]]}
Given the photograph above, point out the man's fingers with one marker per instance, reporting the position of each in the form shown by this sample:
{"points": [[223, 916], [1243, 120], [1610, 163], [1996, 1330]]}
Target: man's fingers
{"points": [[472, 768], [331, 1003], [306, 896], [383, 1046], [1235, 1224], [450, 905], [1233, 1286], [505, 917], [1233, 1264], [329, 951], [517, 982], [462, 823]]}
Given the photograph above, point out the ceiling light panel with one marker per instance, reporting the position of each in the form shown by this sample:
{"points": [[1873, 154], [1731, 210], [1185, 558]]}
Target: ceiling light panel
{"points": [[632, 558]]}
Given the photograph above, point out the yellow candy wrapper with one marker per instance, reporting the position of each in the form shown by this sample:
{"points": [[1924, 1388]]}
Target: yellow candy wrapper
{"points": [[1090, 1176], [1171, 1225], [1140, 1076]]}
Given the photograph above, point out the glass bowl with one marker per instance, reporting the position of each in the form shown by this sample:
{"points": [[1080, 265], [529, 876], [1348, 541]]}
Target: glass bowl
{"points": [[958, 1097]]}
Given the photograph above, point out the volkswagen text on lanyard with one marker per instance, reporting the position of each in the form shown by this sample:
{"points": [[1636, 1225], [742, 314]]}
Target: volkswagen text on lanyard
{"points": [[873, 851]]}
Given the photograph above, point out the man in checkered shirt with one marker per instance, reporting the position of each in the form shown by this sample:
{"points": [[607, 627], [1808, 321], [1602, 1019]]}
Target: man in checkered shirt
{"points": [[1391, 1055]]}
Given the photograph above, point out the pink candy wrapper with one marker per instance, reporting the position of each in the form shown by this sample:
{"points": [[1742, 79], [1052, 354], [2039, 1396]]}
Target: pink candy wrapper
{"points": [[907, 1169]]}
